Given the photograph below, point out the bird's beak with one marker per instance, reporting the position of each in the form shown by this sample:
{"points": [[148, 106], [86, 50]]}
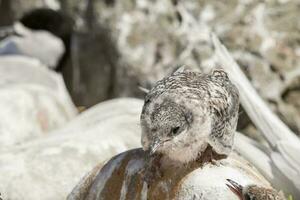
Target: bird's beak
{"points": [[154, 146], [235, 188]]}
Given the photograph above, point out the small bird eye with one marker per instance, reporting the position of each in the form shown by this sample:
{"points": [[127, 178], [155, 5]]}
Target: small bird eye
{"points": [[147, 100], [175, 130]]}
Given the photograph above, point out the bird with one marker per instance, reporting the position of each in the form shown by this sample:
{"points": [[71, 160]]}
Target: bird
{"points": [[188, 124], [187, 112], [187, 117], [254, 192]]}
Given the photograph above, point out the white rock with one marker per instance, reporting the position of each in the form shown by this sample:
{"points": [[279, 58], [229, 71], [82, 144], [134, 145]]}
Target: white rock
{"points": [[48, 168], [33, 100]]}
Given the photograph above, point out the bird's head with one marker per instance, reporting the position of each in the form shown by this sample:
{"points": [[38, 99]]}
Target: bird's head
{"points": [[252, 192], [238, 190], [186, 112]]}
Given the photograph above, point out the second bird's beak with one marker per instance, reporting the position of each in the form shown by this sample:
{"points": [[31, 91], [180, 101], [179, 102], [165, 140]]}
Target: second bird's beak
{"points": [[235, 188], [154, 146]]}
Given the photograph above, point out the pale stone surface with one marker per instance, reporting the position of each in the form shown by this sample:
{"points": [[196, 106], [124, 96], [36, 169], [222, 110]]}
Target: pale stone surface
{"points": [[48, 168], [33, 100]]}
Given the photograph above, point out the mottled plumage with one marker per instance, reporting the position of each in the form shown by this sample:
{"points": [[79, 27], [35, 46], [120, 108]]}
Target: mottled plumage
{"points": [[186, 112], [254, 192]]}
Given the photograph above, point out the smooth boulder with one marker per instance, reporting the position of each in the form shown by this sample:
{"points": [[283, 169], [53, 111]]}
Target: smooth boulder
{"points": [[48, 168], [33, 100]]}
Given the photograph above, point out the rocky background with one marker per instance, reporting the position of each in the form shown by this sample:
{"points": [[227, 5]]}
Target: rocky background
{"points": [[115, 47], [120, 45]]}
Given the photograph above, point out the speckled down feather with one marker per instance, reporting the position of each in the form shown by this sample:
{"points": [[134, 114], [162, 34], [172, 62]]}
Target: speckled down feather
{"points": [[204, 105]]}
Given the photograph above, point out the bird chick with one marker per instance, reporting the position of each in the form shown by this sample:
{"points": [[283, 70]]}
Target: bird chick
{"points": [[254, 192], [187, 112]]}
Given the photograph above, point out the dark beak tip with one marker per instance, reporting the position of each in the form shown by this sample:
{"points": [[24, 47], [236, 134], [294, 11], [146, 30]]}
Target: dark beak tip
{"points": [[235, 188], [230, 181], [233, 183], [151, 153], [229, 186]]}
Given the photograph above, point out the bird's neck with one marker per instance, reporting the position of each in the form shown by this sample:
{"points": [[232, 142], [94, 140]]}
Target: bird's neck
{"points": [[165, 165], [209, 156], [162, 169]]}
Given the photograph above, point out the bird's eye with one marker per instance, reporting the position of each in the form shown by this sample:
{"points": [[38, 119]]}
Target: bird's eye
{"points": [[147, 100], [175, 130]]}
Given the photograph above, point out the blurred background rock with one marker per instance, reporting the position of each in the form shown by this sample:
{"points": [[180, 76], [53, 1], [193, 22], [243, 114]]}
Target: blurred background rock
{"points": [[117, 46]]}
